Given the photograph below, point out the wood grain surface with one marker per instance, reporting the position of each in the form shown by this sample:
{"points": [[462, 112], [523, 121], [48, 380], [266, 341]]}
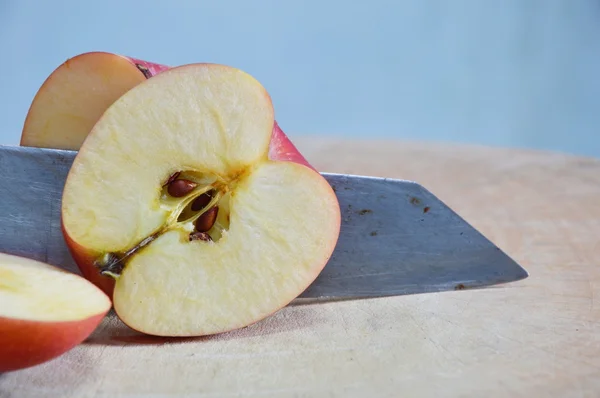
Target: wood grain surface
{"points": [[537, 337]]}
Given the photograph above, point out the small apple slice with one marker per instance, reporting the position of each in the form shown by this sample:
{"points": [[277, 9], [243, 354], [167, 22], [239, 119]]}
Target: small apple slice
{"points": [[44, 311], [248, 230], [75, 95]]}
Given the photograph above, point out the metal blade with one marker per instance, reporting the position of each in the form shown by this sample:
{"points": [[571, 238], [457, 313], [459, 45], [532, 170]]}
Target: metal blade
{"points": [[396, 237]]}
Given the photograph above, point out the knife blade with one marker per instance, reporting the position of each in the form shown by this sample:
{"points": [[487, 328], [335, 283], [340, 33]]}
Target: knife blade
{"points": [[396, 237]]}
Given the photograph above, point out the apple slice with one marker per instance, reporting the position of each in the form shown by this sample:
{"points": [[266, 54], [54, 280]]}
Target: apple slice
{"points": [[248, 229], [75, 95], [44, 311]]}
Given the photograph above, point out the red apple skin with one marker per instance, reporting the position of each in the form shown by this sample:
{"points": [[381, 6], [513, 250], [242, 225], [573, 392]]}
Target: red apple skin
{"points": [[153, 69], [85, 262], [28, 343], [280, 148]]}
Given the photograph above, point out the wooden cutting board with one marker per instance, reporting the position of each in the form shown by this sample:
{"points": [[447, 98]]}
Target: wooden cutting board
{"points": [[537, 337]]}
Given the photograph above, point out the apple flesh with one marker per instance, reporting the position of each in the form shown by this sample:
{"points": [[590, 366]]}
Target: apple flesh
{"points": [[280, 148], [77, 93], [174, 273], [44, 311]]}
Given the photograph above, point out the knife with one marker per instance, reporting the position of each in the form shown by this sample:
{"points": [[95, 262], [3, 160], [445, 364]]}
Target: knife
{"points": [[396, 237]]}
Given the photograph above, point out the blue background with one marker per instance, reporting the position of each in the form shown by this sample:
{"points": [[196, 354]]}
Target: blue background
{"points": [[519, 73]]}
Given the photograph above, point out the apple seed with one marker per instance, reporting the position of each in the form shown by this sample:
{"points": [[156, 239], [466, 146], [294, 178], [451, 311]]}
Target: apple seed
{"points": [[201, 201], [172, 178], [203, 236], [207, 220], [179, 188]]}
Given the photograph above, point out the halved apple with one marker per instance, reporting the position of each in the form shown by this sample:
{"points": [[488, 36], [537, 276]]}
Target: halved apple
{"points": [[75, 95], [44, 311], [191, 198]]}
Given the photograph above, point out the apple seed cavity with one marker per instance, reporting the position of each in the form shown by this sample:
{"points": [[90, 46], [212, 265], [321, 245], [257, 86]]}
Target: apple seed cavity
{"points": [[192, 201]]}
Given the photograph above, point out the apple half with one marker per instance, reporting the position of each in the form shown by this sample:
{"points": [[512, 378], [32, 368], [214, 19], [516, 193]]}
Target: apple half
{"points": [[44, 311], [75, 95], [193, 203]]}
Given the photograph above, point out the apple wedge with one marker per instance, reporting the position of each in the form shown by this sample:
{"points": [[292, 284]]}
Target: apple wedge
{"points": [[44, 311], [191, 198], [75, 95]]}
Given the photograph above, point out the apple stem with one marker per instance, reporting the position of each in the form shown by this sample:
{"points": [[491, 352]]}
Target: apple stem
{"points": [[145, 71], [112, 265]]}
